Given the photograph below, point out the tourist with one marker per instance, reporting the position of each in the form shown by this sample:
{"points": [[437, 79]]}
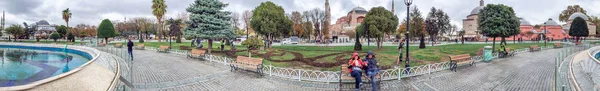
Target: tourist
{"points": [[355, 65], [129, 48], [372, 69]]}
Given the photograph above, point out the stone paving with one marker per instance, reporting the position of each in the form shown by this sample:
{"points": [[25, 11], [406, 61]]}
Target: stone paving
{"points": [[170, 72], [530, 71]]}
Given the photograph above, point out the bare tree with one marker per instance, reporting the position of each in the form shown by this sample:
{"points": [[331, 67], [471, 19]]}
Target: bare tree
{"points": [[317, 17], [235, 20], [247, 15], [307, 25]]}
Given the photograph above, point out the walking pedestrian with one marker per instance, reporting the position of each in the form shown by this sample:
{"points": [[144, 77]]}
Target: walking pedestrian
{"points": [[130, 48]]}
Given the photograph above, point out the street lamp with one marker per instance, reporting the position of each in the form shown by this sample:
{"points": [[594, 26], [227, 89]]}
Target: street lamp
{"points": [[545, 29], [407, 3]]}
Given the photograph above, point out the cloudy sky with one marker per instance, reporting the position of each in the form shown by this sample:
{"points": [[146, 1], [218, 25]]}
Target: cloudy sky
{"points": [[93, 11]]}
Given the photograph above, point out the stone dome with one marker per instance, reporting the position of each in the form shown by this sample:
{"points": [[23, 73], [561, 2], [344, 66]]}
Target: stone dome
{"points": [[551, 22], [360, 10], [43, 22], [524, 22], [476, 10], [578, 14]]}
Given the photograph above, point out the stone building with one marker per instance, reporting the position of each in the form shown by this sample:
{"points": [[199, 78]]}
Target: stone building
{"points": [[43, 29], [470, 24]]}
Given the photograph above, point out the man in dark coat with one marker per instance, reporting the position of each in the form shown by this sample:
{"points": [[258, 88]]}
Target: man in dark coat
{"points": [[130, 48]]}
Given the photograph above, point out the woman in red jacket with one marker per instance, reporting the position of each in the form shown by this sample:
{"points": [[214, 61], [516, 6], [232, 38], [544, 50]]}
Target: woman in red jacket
{"points": [[356, 69]]}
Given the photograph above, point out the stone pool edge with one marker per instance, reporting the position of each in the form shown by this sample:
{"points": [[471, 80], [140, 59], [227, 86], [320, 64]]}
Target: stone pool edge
{"points": [[91, 51]]}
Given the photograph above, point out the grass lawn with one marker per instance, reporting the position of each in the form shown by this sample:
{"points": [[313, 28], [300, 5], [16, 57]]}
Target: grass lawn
{"points": [[388, 55]]}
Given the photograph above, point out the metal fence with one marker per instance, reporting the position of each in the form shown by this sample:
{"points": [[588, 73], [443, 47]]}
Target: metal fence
{"points": [[123, 58], [325, 76]]}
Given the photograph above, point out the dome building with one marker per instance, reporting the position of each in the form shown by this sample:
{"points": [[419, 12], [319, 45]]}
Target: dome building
{"points": [[43, 29], [591, 26], [347, 23], [470, 24]]}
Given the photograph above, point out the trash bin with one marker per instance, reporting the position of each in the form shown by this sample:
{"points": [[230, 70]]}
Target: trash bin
{"points": [[487, 53]]}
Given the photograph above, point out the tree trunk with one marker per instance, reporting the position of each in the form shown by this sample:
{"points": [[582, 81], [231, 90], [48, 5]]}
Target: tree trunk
{"points": [[462, 39], [514, 39], [159, 31], [378, 43], [432, 42], [210, 41], [493, 44], [422, 44]]}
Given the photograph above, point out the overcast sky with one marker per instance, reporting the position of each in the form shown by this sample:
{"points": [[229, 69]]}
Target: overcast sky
{"points": [[93, 11]]}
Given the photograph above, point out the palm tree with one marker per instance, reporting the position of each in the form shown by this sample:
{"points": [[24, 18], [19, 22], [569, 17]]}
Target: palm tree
{"points": [[159, 8], [66, 15]]}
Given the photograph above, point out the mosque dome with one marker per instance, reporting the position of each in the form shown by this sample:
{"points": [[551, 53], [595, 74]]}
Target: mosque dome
{"points": [[476, 10], [359, 10], [43, 22], [551, 22], [578, 14], [524, 22]]}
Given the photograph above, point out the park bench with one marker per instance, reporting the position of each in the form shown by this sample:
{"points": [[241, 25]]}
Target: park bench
{"points": [[196, 53], [456, 60], [118, 45], [346, 81], [557, 45], [102, 44], [533, 48], [140, 47], [184, 48], [508, 53], [163, 49], [70, 43], [248, 63]]}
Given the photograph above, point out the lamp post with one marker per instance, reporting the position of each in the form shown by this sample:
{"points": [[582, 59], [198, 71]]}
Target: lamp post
{"points": [[545, 29], [408, 3]]}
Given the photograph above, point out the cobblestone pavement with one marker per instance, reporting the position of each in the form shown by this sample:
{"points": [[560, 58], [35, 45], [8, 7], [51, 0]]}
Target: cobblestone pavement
{"points": [[531, 71]]}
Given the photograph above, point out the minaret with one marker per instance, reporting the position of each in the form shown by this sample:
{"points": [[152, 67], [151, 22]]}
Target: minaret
{"points": [[327, 20], [3, 16], [392, 6], [480, 2]]}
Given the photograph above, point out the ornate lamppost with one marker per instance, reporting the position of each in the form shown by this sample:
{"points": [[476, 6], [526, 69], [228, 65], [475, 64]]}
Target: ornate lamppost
{"points": [[407, 3]]}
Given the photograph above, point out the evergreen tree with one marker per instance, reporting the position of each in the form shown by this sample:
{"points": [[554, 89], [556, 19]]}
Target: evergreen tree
{"points": [[379, 22], [270, 20], [579, 28], [208, 20], [437, 22], [498, 20], [55, 36], [106, 30]]}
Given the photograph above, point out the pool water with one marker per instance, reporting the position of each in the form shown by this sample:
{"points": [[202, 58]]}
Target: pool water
{"points": [[22, 66]]}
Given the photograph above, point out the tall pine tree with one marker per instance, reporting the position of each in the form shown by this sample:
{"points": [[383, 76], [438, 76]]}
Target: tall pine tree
{"points": [[209, 21]]}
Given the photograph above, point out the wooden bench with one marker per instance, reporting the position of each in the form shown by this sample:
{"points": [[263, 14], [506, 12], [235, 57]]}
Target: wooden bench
{"points": [[248, 63], [346, 81], [118, 45], [163, 49], [533, 48], [140, 47], [456, 60], [101, 44], [557, 45], [185, 48], [196, 53]]}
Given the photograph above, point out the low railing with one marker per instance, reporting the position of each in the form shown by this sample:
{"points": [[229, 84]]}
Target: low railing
{"points": [[120, 56], [333, 76], [563, 77]]}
